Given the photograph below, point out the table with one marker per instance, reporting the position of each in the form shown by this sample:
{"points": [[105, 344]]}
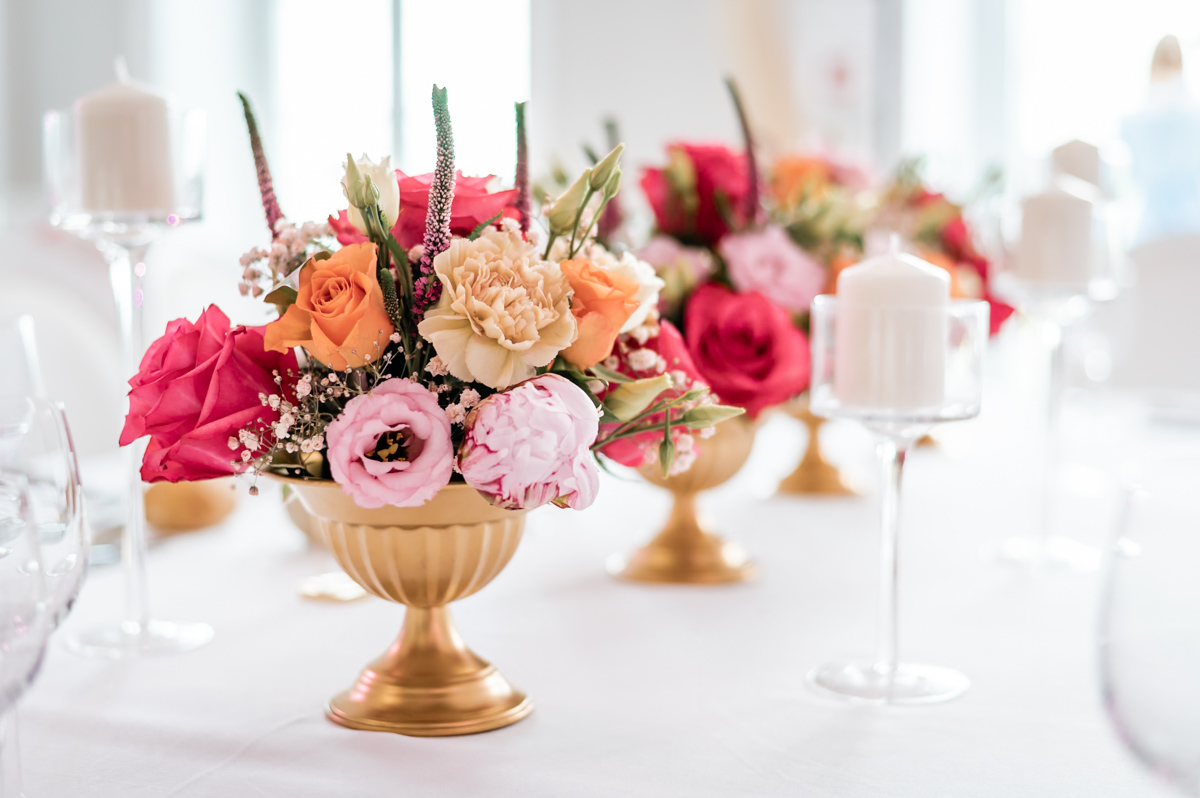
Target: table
{"points": [[639, 691]]}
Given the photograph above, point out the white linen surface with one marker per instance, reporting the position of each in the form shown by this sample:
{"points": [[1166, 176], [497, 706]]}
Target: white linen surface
{"points": [[639, 691]]}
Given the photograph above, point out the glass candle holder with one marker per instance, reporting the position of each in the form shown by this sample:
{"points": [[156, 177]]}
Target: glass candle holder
{"points": [[899, 386], [121, 187]]}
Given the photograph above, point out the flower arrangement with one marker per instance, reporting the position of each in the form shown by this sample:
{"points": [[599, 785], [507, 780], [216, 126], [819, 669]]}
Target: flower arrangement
{"points": [[938, 229], [426, 335], [733, 279]]}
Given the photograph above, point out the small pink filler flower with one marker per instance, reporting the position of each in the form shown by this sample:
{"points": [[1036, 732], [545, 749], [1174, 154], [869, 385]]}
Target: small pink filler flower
{"points": [[531, 445], [391, 446]]}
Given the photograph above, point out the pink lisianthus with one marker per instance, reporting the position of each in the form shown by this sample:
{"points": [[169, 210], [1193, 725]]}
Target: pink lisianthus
{"points": [[665, 353], [530, 445], [473, 205], [769, 262], [196, 387], [391, 446]]}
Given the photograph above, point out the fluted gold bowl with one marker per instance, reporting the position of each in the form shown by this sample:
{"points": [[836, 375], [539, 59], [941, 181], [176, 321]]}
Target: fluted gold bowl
{"points": [[428, 684], [685, 552]]}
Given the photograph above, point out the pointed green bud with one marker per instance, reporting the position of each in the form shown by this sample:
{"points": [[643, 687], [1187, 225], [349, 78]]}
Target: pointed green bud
{"points": [[629, 399], [709, 415], [614, 184], [602, 171], [566, 208]]}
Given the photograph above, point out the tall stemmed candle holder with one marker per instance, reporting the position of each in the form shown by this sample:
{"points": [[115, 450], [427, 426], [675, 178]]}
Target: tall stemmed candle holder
{"points": [[122, 166], [1066, 259], [892, 352]]}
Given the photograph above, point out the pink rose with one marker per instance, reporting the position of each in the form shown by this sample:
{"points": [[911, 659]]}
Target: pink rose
{"points": [[473, 205], [672, 358], [769, 262], [747, 348], [681, 269], [391, 446], [196, 387], [531, 445]]}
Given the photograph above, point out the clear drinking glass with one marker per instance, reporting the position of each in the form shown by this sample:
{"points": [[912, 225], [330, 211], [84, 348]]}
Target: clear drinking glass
{"points": [[1149, 638], [948, 385], [25, 618], [123, 236]]}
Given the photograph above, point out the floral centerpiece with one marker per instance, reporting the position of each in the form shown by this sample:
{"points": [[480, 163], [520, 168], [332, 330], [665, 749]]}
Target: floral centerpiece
{"points": [[435, 370]]}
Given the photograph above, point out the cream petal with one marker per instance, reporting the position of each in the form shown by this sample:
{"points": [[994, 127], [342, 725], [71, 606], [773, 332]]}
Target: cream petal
{"points": [[495, 366], [450, 337]]}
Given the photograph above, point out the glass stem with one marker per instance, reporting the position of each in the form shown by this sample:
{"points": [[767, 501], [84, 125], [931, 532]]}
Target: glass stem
{"points": [[892, 452], [1052, 334], [10, 756], [127, 271]]}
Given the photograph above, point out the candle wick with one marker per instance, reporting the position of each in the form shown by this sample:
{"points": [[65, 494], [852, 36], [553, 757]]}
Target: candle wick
{"points": [[122, 69]]}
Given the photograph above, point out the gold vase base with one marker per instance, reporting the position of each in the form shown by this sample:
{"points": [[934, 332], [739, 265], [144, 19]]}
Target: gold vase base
{"points": [[822, 479], [704, 559], [485, 701]]}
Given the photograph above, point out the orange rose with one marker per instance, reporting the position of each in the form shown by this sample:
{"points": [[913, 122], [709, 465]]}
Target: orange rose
{"points": [[603, 302], [944, 261], [792, 176], [338, 315]]}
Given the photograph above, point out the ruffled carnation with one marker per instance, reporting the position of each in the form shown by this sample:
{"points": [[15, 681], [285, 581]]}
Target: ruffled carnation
{"points": [[531, 445], [391, 446], [503, 313]]}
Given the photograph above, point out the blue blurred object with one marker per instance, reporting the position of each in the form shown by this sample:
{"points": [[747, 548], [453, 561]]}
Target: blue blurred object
{"points": [[1164, 141]]}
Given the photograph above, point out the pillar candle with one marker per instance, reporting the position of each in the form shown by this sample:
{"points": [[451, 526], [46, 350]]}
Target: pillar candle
{"points": [[1056, 238], [891, 333], [123, 144]]}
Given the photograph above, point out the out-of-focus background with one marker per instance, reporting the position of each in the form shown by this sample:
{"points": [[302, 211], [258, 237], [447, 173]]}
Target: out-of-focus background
{"points": [[974, 87]]}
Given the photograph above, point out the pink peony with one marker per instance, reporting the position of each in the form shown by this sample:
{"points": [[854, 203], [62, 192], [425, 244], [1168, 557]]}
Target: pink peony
{"points": [[473, 205], [531, 445], [196, 387], [769, 262], [391, 446]]}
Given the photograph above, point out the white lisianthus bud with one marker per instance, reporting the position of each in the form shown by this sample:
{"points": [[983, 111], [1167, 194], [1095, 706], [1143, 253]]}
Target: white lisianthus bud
{"points": [[603, 170], [366, 183], [563, 211], [629, 399]]}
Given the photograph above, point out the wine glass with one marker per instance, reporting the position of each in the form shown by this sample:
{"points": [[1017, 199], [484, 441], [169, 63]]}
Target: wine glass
{"points": [[899, 371], [1149, 640], [25, 617]]}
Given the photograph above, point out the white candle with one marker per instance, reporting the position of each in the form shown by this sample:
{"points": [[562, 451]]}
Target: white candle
{"points": [[1078, 159], [123, 141], [891, 334], [1056, 238]]}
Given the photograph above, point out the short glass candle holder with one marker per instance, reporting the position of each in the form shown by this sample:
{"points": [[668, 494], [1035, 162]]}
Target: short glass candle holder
{"points": [[899, 371]]}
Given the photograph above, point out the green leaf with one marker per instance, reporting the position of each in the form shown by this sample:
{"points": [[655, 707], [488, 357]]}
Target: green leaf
{"points": [[322, 255], [708, 415], [478, 231], [608, 375], [282, 297]]}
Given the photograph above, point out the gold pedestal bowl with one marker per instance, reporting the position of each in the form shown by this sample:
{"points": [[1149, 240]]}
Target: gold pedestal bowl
{"points": [[684, 552], [428, 684], [815, 476]]}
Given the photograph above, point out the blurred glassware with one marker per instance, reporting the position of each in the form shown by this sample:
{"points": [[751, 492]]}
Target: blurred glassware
{"points": [[1149, 640], [25, 618], [885, 679], [123, 237]]}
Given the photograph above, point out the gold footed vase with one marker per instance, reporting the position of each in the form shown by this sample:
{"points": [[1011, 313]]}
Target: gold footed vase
{"points": [[428, 684], [815, 476], [684, 552]]}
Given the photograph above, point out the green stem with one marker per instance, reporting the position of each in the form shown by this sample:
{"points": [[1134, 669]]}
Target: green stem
{"points": [[592, 223]]}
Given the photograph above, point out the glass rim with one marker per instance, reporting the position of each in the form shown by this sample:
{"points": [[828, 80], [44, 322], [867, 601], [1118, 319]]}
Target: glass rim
{"points": [[955, 305]]}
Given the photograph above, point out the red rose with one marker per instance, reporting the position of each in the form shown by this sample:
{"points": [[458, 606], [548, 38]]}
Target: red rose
{"points": [[196, 387], [473, 205], [701, 210], [746, 348]]}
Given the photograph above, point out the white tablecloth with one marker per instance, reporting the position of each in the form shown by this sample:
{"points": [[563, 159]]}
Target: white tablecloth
{"points": [[639, 691]]}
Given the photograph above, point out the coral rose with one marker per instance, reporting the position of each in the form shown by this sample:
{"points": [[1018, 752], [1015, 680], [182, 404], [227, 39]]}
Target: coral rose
{"points": [[503, 313], [531, 445], [338, 315], [746, 347], [769, 262], [473, 205], [391, 446], [603, 302], [196, 387]]}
